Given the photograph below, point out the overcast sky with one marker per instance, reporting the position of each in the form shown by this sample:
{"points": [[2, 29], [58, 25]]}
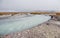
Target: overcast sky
{"points": [[29, 5]]}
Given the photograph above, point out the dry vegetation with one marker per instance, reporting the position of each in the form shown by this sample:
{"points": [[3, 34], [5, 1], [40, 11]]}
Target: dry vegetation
{"points": [[48, 13], [12, 13]]}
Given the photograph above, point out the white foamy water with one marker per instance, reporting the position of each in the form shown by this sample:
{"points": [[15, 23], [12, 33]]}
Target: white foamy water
{"points": [[17, 23]]}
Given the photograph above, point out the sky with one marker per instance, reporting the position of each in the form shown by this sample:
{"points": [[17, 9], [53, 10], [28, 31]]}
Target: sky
{"points": [[29, 5]]}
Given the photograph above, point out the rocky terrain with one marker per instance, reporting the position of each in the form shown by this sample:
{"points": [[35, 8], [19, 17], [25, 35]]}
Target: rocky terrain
{"points": [[49, 29]]}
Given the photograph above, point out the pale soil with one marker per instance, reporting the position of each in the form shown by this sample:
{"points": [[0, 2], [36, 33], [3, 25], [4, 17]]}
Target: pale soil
{"points": [[50, 29]]}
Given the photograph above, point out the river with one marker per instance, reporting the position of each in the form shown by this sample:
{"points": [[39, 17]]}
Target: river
{"points": [[18, 23]]}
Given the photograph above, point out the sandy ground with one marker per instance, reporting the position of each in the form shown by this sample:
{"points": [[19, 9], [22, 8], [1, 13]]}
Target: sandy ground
{"points": [[49, 29]]}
